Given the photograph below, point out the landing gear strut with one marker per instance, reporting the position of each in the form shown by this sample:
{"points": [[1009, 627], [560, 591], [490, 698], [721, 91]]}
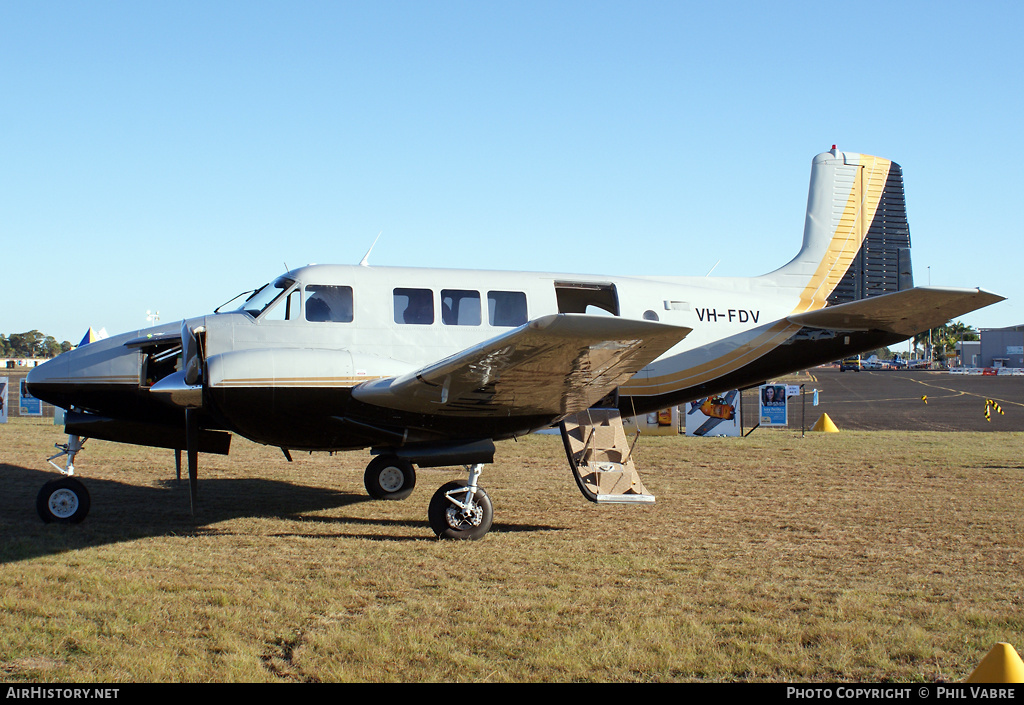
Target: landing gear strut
{"points": [[461, 510], [64, 500]]}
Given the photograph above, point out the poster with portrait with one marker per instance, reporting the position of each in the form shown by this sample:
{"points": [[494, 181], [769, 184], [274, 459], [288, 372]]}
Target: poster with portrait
{"points": [[28, 405], [773, 405]]}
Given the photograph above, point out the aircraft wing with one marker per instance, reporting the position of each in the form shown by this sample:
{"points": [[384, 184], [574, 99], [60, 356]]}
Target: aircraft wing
{"points": [[552, 366], [904, 312], [707, 426]]}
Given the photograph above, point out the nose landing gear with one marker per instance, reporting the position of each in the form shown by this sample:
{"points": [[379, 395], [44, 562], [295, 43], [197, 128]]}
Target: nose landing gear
{"points": [[64, 500]]}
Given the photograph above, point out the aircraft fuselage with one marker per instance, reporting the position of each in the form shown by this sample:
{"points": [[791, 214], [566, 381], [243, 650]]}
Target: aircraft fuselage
{"points": [[283, 375]]}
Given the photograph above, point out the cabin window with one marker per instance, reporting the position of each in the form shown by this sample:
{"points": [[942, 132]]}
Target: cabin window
{"points": [[328, 303], [414, 306], [460, 308], [506, 308]]}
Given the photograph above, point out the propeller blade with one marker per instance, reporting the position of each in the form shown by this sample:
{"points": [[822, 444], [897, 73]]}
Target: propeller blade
{"points": [[192, 449], [190, 354]]}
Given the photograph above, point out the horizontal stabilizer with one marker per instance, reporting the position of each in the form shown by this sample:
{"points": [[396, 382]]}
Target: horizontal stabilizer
{"points": [[904, 313], [552, 366]]}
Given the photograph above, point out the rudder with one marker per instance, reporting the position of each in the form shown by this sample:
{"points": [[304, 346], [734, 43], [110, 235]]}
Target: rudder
{"points": [[856, 236]]}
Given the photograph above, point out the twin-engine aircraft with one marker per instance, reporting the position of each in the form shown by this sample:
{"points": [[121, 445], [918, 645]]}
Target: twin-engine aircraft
{"points": [[429, 367]]}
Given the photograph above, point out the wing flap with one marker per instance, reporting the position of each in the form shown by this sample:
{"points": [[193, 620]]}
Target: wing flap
{"points": [[551, 366], [904, 312]]}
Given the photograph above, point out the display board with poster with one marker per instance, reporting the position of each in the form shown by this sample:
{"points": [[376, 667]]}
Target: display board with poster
{"points": [[714, 416], [772, 402], [656, 423], [3, 399], [28, 405]]}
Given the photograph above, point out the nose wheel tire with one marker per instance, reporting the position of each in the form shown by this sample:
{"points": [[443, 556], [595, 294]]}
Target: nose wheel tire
{"points": [[63, 501], [389, 477], [451, 521]]}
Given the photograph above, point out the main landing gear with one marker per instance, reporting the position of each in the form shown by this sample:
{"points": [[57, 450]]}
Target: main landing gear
{"points": [[389, 477], [461, 510], [458, 510], [64, 500]]}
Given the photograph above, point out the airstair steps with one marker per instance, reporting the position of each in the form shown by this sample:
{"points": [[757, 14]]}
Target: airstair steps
{"points": [[600, 458]]}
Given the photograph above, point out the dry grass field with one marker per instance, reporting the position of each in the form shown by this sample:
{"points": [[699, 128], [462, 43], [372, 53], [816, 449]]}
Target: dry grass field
{"points": [[857, 556]]}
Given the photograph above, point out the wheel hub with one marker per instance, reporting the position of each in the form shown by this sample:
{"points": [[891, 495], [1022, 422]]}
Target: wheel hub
{"points": [[464, 518], [391, 479], [63, 503]]}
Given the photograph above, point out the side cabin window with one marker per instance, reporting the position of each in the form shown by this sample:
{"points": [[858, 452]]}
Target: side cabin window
{"points": [[328, 303], [415, 306], [460, 307], [506, 308]]}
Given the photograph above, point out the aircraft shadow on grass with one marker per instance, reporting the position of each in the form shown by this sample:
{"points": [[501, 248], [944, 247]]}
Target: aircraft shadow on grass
{"points": [[131, 512]]}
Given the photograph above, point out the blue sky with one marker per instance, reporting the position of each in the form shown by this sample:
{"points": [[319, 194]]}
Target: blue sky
{"points": [[167, 156]]}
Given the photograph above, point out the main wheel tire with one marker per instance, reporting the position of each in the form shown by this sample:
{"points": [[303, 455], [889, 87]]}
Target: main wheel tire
{"points": [[450, 522], [389, 477], [63, 501]]}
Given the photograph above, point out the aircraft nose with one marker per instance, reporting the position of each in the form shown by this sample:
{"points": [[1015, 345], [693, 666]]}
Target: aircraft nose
{"points": [[43, 378]]}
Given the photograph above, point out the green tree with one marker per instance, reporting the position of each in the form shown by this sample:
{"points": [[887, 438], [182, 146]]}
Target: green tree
{"points": [[31, 344], [49, 347], [25, 344], [945, 339]]}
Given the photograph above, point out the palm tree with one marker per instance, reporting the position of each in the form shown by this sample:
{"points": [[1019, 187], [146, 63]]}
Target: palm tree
{"points": [[944, 339]]}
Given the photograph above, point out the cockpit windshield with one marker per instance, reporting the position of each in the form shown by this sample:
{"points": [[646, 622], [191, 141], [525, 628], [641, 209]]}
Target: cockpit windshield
{"points": [[265, 296]]}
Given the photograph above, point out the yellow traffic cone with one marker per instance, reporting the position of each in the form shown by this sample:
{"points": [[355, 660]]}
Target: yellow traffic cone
{"points": [[1000, 665], [824, 423]]}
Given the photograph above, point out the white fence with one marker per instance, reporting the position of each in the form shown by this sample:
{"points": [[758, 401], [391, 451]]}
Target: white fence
{"points": [[987, 371]]}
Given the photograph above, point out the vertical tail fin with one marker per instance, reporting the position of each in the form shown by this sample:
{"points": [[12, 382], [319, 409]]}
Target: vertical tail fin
{"points": [[856, 237]]}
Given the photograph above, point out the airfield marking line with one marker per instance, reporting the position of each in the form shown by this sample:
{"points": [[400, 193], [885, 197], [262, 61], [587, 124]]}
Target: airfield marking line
{"points": [[973, 394], [955, 393], [872, 401]]}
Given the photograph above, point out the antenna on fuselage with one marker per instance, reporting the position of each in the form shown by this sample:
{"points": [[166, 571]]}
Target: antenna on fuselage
{"points": [[365, 261], [712, 269]]}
